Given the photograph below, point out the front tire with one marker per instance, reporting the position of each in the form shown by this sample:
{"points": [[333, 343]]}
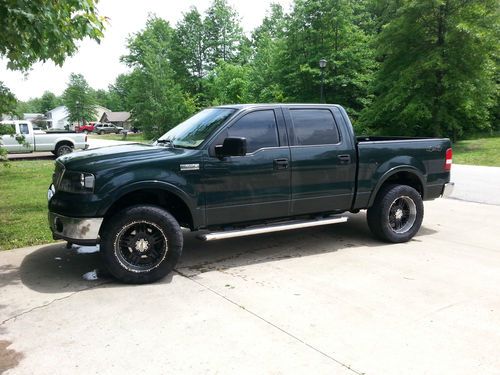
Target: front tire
{"points": [[141, 244], [397, 214]]}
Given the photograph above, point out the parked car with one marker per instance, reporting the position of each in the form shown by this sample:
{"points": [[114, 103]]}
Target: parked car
{"points": [[241, 170], [58, 143], [107, 128], [85, 128]]}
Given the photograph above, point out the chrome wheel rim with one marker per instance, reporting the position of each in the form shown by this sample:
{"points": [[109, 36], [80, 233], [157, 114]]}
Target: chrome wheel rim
{"points": [[402, 214], [141, 246]]}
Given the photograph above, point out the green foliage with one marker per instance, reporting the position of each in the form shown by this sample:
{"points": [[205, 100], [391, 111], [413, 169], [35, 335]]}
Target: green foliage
{"points": [[8, 101], [48, 101], [79, 99], [7, 106], [409, 67], [438, 67], [190, 50], [265, 81], [328, 29], [46, 30], [158, 102], [228, 83], [224, 35]]}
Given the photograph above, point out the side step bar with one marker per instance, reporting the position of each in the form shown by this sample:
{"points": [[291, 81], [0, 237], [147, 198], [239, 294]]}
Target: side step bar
{"points": [[288, 225]]}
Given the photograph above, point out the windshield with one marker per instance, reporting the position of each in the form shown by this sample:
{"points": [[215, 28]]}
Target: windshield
{"points": [[192, 132]]}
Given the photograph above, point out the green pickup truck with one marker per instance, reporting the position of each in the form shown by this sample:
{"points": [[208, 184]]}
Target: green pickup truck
{"points": [[239, 170]]}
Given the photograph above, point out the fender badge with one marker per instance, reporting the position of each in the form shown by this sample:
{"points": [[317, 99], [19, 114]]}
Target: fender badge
{"points": [[190, 167]]}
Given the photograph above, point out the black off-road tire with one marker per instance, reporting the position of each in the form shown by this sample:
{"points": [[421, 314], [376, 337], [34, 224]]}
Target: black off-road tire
{"points": [[122, 250], [395, 201]]}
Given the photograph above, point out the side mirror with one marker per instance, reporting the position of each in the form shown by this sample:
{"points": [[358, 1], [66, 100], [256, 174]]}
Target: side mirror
{"points": [[232, 146]]}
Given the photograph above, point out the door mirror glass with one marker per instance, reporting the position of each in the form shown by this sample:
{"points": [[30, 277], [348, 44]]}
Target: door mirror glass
{"points": [[232, 146]]}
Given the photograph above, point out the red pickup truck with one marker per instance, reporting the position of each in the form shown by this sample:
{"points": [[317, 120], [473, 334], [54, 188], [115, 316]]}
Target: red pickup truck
{"points": [[85, 128]]}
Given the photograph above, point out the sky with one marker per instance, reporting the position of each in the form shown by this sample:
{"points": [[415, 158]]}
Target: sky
{"points": [[100, 63]]}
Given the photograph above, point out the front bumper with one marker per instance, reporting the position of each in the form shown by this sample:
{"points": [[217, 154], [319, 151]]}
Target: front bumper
{"points": [[448, 189], [77, 230]]}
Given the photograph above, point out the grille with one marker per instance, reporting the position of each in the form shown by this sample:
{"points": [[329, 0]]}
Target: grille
{"points": [[58, 175]]}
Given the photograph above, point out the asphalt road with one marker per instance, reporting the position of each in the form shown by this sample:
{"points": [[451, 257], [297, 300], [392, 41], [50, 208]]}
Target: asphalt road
{"points": [[326, 300], [476, 184]]}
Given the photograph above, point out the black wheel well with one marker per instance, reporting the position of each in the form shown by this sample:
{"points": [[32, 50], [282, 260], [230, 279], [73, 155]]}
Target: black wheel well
{"points": [[405, 178], [158, 197]]}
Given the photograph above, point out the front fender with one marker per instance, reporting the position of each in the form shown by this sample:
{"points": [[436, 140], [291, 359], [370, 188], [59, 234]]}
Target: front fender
{"points": [[151, 184]]}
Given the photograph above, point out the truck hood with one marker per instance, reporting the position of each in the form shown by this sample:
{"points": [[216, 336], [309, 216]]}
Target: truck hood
{"points": [[111, 157]]}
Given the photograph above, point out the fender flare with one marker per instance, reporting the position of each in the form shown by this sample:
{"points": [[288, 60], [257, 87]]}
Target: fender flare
{"points": [[392, 172], [151, 184]]}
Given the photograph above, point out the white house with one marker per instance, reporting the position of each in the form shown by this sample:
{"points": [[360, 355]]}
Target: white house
{"points": [[57, 118]]}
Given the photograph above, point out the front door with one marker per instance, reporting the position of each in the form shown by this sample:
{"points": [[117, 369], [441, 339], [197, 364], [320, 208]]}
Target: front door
{"points": [[251, 187]]}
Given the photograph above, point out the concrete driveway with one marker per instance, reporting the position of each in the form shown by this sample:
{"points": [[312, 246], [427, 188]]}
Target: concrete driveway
{"points": [[327, 300]]}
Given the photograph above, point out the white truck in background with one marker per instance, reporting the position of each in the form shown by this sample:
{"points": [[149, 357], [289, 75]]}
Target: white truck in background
{"points": [[40, 141]]}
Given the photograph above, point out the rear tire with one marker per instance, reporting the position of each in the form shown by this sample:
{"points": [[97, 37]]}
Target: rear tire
{"points": [[141, 244], [397, 214], [63, 150]]}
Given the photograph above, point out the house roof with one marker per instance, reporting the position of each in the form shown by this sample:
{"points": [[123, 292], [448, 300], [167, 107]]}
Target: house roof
{"points": [[117, 116]]}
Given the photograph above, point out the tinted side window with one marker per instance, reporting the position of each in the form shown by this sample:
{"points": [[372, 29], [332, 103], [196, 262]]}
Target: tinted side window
{"points": [[23, 128], [314, 127], [259, 129]]}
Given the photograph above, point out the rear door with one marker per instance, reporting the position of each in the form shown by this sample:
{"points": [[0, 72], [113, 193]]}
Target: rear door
{"points": [[255, 186], [322, 160]]}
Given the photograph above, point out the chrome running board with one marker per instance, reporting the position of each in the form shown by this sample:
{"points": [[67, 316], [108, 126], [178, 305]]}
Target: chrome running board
{"points": [[288, 225]]}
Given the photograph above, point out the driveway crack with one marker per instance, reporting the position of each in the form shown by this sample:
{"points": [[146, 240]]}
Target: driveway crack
{"points": [[272, 324], [50, 303]]}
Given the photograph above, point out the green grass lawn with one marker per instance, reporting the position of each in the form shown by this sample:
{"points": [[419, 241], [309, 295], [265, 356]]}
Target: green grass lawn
{"points": [[139, 137], [23, 203], [481, 151]]}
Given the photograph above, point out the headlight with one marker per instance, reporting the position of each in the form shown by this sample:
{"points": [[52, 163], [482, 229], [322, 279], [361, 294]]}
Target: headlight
{"points": [[77, 182]]}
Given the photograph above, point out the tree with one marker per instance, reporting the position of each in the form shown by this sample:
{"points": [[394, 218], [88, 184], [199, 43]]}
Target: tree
{"points": [[437, 72], [224, 34], [190, 50], [228, 83], [328, 29], [265, 80], [158, 102], [8, 100], [48, 101], [46, 30], [79, 99]]}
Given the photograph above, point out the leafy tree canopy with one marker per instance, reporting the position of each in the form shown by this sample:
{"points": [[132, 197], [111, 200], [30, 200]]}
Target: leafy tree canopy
{"points": [[44, 30], [79, 99]]}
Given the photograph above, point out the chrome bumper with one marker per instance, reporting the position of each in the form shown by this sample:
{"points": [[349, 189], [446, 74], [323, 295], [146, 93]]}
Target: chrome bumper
{"points": [[448, 189], [84, 230]]}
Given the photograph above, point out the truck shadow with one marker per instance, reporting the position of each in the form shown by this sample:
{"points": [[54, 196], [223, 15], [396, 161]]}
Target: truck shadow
{"points": [[54, 269]]}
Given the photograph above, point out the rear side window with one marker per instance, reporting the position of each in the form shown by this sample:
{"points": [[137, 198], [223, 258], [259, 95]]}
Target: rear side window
{"points": [[314, 127], [259, 129]]}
